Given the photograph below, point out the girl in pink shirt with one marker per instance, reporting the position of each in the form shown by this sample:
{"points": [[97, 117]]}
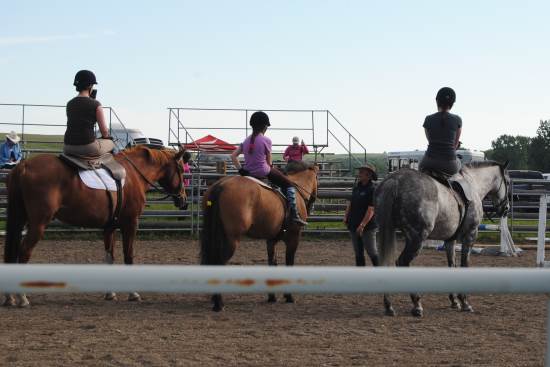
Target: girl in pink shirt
{"points": [[257, 161]]}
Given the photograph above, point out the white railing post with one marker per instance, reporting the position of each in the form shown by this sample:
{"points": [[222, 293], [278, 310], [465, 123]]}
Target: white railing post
{"points": [[547, 355], [541, 239]]}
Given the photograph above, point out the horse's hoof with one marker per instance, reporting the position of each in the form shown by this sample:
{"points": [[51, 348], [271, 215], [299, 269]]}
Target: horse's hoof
{"points": [[467, 308], [110, 296], [271, 298], [417, 312], [9, 301], [134, 297], [390, 312], [289, 299]]}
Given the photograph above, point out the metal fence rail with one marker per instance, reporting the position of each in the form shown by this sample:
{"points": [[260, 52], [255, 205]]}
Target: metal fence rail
{"points": [[32, 278], [328, 210]]}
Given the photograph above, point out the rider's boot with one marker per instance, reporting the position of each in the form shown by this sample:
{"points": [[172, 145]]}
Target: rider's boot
{"points": [[294, 215]]}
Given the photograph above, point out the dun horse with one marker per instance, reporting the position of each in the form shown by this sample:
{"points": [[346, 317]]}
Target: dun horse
{"points": [[43, 188], [423, 208], [238, 206]]}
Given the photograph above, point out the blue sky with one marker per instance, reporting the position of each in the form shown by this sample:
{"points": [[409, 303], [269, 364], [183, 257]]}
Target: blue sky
{"points": [[376, 65]]}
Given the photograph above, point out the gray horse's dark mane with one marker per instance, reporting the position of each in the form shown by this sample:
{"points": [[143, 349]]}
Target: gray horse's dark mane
{"points": [[482, 164], [297, 166]]}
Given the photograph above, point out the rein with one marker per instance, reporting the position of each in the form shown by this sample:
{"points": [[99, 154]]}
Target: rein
{"points": [[500, 207], [155, 186], [304, 194]]}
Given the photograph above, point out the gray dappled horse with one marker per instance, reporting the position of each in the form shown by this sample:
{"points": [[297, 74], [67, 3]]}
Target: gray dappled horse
{"points": [[423, 208]]}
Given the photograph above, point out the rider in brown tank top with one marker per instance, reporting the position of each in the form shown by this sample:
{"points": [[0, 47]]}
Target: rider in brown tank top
{"points": [[83, 112]]}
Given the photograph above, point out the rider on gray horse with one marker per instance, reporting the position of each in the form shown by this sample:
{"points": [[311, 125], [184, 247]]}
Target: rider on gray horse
{"points": [[443, 133]]}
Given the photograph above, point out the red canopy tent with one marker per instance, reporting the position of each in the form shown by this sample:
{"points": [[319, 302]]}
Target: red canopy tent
{"points": [[210, 143]]}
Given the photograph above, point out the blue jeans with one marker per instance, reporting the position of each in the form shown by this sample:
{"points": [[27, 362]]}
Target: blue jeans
{"points": [[365, 242]]}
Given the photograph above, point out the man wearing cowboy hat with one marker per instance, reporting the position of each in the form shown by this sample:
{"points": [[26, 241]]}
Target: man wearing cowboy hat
{"points": [[10, 152], [359, 216]]}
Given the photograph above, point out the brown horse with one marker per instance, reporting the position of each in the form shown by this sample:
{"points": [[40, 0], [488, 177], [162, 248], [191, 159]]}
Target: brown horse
{"points": [[237, 206], [43, 188]]}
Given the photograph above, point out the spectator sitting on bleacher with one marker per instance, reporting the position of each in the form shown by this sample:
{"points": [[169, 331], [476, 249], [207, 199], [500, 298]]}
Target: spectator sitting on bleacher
{"points": [[10, 152], [295, 152]]}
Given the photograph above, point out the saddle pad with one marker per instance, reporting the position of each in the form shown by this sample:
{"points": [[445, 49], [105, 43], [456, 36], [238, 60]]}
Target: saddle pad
{"points": [[259, 182], [106, 182], [266, 186]]}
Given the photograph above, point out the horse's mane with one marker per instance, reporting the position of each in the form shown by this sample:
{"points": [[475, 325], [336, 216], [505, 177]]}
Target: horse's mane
{"points": [[297, 166], [482, 164], [155, 156]]}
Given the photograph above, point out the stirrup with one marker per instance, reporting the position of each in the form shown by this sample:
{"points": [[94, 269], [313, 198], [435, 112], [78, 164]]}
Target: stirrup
{"points": [[299, 220]]}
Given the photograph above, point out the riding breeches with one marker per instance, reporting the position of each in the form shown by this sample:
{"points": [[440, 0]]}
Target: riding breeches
{"points": [[449, 167], [279, 179], [96, 148]]}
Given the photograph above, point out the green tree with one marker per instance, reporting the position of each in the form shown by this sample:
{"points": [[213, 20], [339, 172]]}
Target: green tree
{"points": [[514, 149], [539, 151]]}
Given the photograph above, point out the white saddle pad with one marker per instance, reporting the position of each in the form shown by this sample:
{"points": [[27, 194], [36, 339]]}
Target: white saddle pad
{"points": [[99, 179], [259, 182]]}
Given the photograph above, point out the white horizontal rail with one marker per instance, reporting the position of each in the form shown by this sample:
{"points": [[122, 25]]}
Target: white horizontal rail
{"points": [[40, 278]]}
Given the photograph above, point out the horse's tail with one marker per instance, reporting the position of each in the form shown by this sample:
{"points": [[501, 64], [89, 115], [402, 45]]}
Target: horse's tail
{"points": [[386, 194], [213, 237], [16, 214]]}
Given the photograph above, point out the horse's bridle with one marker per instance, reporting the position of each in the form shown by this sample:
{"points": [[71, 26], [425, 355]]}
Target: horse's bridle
{"points": [[309, 197], [179, 200], [500, 208]]}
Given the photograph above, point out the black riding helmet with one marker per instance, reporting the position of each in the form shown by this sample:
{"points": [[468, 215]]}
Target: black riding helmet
{"points": [[259, 119], [83, 79], [446, 97]]}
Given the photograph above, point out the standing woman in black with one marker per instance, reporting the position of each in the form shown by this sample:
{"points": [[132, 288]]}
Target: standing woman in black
{"points": [[359, 216], [83, 111], [443, 131]]}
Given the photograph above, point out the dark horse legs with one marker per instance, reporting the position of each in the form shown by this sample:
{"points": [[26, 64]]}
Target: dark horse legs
{"points": [[35, 232], [464, 262], [451, 262], [291, 241], [128, 230], [271, 261], [411, 250]]}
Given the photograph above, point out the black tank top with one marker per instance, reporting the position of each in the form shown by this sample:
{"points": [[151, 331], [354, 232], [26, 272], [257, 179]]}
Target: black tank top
{"points": [[81, 119], [442, 128]]}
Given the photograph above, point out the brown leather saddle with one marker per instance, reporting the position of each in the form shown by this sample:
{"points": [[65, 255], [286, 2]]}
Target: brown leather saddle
{"points": [[111, 165]]}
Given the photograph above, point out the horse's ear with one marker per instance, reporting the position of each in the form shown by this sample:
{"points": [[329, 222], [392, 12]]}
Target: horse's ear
{"points": [[180, 153], [505, 165]]}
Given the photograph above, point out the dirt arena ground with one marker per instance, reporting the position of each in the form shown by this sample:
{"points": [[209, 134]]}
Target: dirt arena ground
{"points": [[329, 330]]}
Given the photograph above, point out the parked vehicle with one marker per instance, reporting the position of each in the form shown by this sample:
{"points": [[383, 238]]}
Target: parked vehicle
{"points": [[517, 175], [411, 159], [125, 138]]}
